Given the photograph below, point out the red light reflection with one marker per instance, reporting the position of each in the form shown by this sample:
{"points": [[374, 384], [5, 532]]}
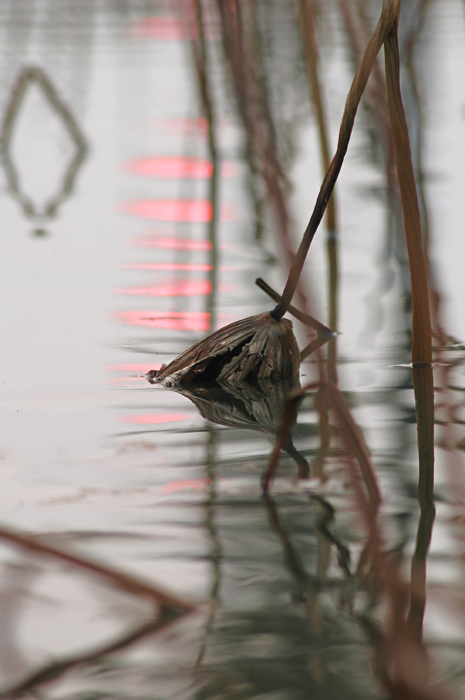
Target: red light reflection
{"points": [[177, 167], [189, 288], [174, 243], [195, 485], [190, 267], [171, 320], [174, 289], [154, 418], [179, 210], [168, 28], [134, 367]]}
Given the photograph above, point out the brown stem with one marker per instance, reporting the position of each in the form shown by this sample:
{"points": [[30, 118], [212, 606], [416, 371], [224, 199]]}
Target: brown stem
{"points": [[421, 322], [380, 33], [421, 327]]}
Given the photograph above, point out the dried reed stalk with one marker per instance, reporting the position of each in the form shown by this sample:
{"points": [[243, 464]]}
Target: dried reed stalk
{"points": [[421, 322], [421, 327], [357, 27], [381, 31], [454, 458]]}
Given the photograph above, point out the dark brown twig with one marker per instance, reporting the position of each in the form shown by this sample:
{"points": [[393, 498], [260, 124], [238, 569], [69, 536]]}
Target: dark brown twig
{"points": [[421, 322]]}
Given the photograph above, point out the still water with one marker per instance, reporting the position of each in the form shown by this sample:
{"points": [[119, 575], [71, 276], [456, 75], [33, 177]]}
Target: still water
{"points": [[110, 267]]}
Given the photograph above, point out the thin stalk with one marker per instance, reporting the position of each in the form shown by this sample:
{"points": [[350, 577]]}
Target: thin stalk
{"points": [[421, 322], [380, 33], [421, 328], [424, 399]]}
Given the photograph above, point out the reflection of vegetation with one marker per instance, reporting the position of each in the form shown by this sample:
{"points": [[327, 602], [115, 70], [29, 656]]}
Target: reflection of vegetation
{"points": [[27, 78], [255, 406], [165, 608], [215, 553], [322, 523], [282, 638]]}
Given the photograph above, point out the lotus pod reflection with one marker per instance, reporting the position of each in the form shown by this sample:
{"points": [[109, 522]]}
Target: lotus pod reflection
{"points": [[253, 405]]}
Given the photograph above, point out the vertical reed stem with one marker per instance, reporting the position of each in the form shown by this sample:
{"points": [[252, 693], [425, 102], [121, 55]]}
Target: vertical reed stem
{"points": [[421, 323], [421, 328]]}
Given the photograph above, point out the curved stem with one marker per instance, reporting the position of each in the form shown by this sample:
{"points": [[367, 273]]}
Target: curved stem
{"points": [[384, 26]]}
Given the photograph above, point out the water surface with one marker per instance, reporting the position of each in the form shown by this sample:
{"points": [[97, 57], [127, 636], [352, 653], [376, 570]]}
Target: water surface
{"points": [[122, 277]]}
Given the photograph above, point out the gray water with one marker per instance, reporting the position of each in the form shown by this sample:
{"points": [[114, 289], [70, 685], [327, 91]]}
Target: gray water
{"points": [[97, 461]]}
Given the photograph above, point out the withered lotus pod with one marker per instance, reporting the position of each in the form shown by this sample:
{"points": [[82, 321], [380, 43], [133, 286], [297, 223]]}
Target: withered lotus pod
{"points": [[255, 348]]}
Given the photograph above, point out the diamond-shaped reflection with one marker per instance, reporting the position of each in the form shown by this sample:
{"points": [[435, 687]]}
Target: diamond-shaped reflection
{"points": [[42, 147]]}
